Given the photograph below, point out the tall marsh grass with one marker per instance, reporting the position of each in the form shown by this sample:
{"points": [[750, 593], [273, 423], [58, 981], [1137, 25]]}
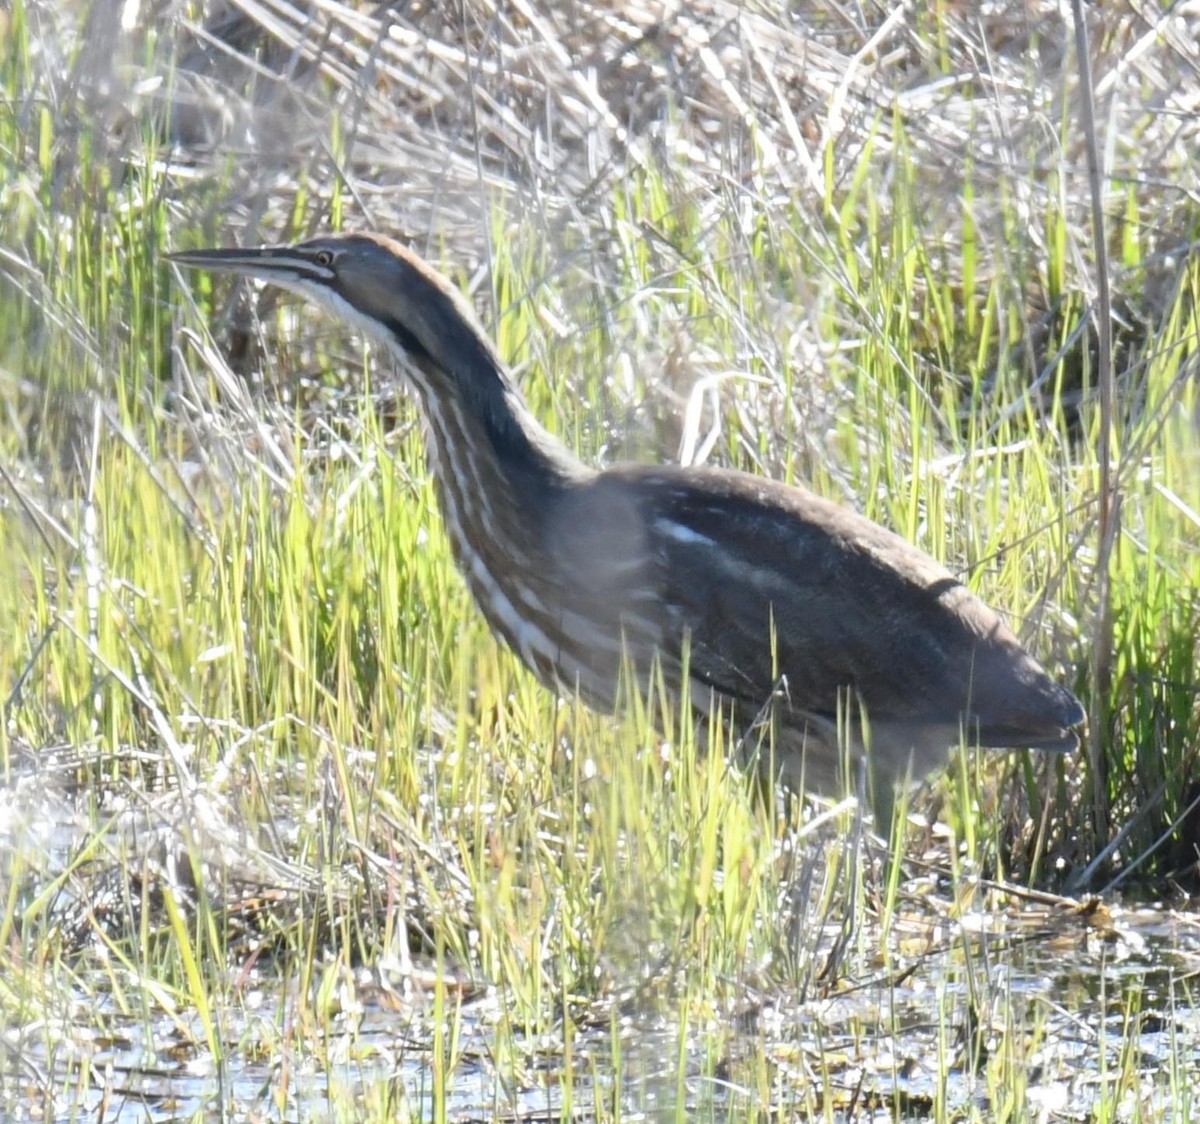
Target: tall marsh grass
{"points": [[256, 738]]}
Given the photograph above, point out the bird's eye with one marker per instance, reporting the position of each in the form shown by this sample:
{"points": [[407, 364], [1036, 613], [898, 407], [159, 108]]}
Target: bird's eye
{"points": [[324, 257]]}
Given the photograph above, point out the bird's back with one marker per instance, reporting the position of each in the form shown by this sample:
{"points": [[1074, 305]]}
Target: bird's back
{"points": [[776, 593]]}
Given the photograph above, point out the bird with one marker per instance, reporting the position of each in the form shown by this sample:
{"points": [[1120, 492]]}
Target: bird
{"points": [[825, 644]]}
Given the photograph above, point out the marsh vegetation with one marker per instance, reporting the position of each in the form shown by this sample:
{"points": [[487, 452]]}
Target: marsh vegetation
{"points": [[286, 834]]}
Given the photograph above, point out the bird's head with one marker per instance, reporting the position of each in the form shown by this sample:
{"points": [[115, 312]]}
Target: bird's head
{"points": [[377, 285]]}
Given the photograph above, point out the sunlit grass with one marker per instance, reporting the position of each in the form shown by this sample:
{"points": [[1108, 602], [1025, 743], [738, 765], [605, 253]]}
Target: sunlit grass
{"points": [[231, 627]]}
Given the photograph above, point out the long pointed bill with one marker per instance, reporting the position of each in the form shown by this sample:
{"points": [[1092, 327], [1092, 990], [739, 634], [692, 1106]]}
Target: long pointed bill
{"points": [[278, 264]]}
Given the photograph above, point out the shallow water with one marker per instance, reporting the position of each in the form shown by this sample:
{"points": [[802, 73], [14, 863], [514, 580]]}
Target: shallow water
{"points": [[1090, 1008]]}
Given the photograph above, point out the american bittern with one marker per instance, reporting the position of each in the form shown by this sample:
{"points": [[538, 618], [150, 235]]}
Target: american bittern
{"points": [[747, 596]]}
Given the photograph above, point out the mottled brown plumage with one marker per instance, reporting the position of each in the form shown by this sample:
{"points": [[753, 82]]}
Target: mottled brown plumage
{"points": [[767, 593]]}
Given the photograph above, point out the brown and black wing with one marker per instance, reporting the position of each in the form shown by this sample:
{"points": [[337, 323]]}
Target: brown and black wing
{"points": [[773, 583]]}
